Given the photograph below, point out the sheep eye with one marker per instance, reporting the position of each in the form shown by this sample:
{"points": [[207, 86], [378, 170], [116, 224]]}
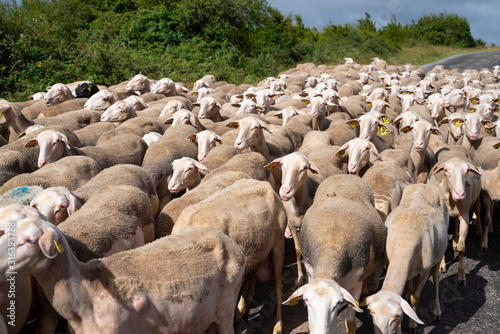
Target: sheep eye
{"points": [[31, 242]]}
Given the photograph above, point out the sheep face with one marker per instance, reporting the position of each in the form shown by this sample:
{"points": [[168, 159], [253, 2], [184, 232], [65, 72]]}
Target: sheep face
{"points": [[56, 94]]}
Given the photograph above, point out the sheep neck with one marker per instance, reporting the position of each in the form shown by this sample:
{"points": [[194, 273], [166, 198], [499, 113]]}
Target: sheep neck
{"points": [[399, 269], [18, 124]]}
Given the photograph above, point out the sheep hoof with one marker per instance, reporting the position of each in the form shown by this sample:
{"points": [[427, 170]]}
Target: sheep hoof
{"points": [[442, 269], [461, 281], [484, 248], [412, 330], [437, 317]]}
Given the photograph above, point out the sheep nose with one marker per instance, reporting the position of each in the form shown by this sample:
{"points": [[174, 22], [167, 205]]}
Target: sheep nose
{"points": [[201, 156], [41, 163], [352, 168], [364, 136], [285, 193], [459, 194]]}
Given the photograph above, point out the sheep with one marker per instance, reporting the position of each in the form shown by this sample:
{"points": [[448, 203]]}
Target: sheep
{"points": [[247, 107], [118, 112], [390, 174], [12, 118], [138, 126], [211, 262], [40, 110], [185, 116], [158, 158], [473, 122], [456, 99], [136, 102], [71, 172], [248, 165], [89, 135], [165, 86], [185, 174], [101, 100], [452, 132], [37, 96], [56, 204], [319, 110], [297, 193], [122, 174], [57, 94], [286, 114], [368, 126], [416, 242], [85, 89], [116, 218], [423, 159], [256, 221], [487, 159], [460, 185], [405, 119], [342, 241], [205, 141], [151, 138], [358, 150], [13, 163], [172, 107], [139, 83], [209, 109]]}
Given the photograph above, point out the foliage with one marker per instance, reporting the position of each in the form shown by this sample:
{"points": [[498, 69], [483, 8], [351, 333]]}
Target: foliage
{"points": [[109, 41]]}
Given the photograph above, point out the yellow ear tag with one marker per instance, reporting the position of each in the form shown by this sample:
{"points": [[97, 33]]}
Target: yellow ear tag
{"points": [[353, 125], [457, 124], [295, 301], [21, 134], [193, 141], [88, 89], [32, 144], [383, 130], [473, 101], [77, 208], [472, 110], [59, 248], [195, 93], [0, 113], [357, 304], [369, 105], [384, 119], [489, 129], [306, 102]]}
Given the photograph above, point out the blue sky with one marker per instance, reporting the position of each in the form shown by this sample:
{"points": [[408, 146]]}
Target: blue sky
{"points": [[483, 15]]}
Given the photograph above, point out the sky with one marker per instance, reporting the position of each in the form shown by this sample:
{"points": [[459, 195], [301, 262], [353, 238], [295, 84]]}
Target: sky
{"points": [[482, 15]]}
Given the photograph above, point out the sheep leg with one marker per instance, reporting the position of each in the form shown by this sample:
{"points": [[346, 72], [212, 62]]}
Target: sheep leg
{"points": [[455, 237], [298, 252], [486, 201], [477, 211], [436, 308], [464, 227], [415, 298], [442, 267], [278, 254], [243, 302], [350, 320]]}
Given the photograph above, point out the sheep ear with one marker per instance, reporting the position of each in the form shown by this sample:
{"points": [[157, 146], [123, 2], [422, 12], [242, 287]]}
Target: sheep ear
{"points": [[353, 122], [385, 119], [195, 104], [406, 129], [236, 105], [31, 143], [72, 202], [374, 149], [233, 125], [359, 114], [341, 152], [64, 140], [273, 164], [443, 121], [397, 120], [409, 311], [219, 139], [294, 298], [201, 166], [48, 88], [474, 169], [48, 243], [192, 137], [350, 299], [217, 104], [496, 146], [192, 120], [279, 114], [314, 169], [438, 168], [169, 121], [264, 126], [436, 131]]}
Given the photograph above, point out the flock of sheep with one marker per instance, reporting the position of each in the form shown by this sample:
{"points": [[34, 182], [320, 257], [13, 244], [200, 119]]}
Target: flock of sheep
{"points": [[149, 207]]}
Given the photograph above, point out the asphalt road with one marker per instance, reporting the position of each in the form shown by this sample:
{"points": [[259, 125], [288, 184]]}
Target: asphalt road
{"points": [[475, 60], [474, 308]]}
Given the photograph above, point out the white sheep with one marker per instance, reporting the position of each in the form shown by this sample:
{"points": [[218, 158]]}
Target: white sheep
{"points": [[209, 109], [136, 102], [118, 112], [56, 204], [256, 221], [56, 94], [101, 100], [185, 174], [151, 137], [129, 293], [165, 86], [358, 151], [139, 83], [205, 140], [172, 107], [416, 241], [54, 145], [342, 241]]}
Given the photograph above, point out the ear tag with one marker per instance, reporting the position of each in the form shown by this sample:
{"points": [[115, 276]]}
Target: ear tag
{"points": [[457, 124], [0, 113], [357, 304], [353, 125], [369, 105], [21, 134], [77, 208], [88, 89], [195, 93], [32, 144], [384, 119], [489, 129], [193, 141], [472, 110], [59, 248], [294, 301], [474, 101], [383, 130], [306, 102], [272, 167]]}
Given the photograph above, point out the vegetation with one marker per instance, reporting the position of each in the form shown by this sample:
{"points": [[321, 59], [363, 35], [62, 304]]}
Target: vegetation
{"points": [[109, 41]]}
